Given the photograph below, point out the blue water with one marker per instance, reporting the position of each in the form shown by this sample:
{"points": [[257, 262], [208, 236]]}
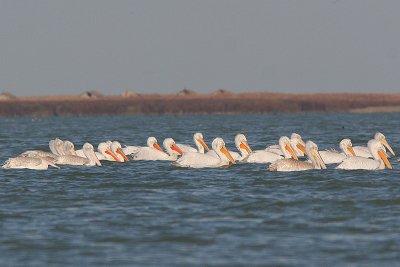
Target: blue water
{"points": [[153, 213]]}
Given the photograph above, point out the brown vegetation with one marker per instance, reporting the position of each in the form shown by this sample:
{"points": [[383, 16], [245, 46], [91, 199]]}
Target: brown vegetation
{"points": [[198, 104]]}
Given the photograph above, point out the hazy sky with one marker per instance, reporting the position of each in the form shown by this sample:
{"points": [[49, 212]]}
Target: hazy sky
{"points": [[64, 47]]}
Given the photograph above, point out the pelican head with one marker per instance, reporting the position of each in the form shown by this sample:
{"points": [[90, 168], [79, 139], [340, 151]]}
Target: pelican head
{"points": [[378, 153], [218, 145], [117, 149], [286, 147], [69, 148], [347, 147], [59, 146], [242, 145], [171, 148], [200, 143], [381, 138], [297, 144], [152, 142], [88, 150], [52, 147], [105, 150], [313, 154]]}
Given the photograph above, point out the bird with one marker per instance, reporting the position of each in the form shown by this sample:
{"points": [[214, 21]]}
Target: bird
{"points": [[331, 157], [105, 153], [149, 153], [363, 151], [151, 143], [116, 148], [296, 165], [297, 144], [59, 146], [90, 158], [263, 156], [199, 142], [69, 148], [241, 144], [378, 161], [199, 160], [33, 163]]}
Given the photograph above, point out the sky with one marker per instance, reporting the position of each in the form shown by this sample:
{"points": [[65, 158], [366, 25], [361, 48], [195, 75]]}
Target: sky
{"points": [[52, 47]]}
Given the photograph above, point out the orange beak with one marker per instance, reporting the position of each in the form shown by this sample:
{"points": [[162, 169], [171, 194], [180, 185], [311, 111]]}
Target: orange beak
{"points": [[350, 149], [108, 152], [156, 146], [385, 143], [384, 158], [246, 147], [201, 141], [119, 151], [228, 155], [175, 148], [288, 148], [301, 148]]}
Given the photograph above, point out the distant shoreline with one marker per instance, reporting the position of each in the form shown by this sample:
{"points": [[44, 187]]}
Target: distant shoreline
{"points": [[187, 102]]}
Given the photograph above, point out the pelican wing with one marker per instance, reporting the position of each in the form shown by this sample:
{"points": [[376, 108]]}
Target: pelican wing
{"points": [[186, 148], [360, 163], [331, 157], [262, 156], [129, 150], [362, 151], [290, 165], [26, 163], [72, 160], [199, 160], [149, 153]]}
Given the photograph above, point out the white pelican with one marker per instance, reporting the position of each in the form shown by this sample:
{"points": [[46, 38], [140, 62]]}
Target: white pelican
{"points": [[199, 160], [69, 148], [116, 148], [52, 147], [33, 163], [151, 143], [199, 142], [330, 157], [360, 163], [149, 153], [241, 144], [296, 165], [297, 144], [263, 156], [90, 158], [59, 146], [105, 152], [38, 154], [363, 151]]}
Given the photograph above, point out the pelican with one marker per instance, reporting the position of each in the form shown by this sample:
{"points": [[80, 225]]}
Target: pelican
{"points": [[90, 158], [199, 160], [33, 163], [363, 151], [296, 165], [241, 144], [330, 157], [263, 156], [149, 153], [297, 144], [199, 142], [59, 146], [360, 163], [116, 148], [52, 147], [105, 152], [151, 143], [69, 149]]}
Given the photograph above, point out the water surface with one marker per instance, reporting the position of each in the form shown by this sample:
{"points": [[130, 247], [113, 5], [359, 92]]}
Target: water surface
{"points": [[152, 213]]}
